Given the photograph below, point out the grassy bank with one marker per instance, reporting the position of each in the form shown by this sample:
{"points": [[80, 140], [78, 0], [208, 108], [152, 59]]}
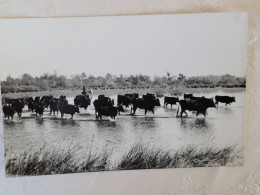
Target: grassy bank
{"points": [[113, 92], [57, 161]]}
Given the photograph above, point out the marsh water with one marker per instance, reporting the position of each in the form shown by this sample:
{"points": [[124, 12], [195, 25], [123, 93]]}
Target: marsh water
{"points": [[222, 127]]}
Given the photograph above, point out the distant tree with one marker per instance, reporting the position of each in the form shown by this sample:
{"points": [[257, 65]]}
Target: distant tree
{"points": [[10, 80], [181, 77], [44, 85], [27, 79]]}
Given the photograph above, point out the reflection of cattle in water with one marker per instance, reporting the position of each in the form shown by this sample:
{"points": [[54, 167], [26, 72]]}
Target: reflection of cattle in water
{"points": [[148, 103], [8, 111], [200, 106], [224, 99], [200, 124], [170, 100], [83, 101]]}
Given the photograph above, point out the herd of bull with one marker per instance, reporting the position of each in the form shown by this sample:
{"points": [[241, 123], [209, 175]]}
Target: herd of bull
{"points": [[104, 106]]}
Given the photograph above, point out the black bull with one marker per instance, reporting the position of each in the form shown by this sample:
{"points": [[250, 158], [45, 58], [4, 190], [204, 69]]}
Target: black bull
{"points": [[146, 104], [8, 111], [68, 109], [200, 106], [82, 101], [111, 111], [170, 100], [224, 99]]}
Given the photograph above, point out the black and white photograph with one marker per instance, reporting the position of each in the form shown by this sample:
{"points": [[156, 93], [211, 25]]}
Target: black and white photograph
{"points": [[110, 93]]}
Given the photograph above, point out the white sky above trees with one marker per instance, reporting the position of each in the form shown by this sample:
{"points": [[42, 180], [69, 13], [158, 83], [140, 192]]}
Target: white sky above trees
{"points": [[193, 44]]}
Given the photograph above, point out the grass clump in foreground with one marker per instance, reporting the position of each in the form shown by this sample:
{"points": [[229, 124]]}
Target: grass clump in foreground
{"points": [[58, 161], [140, 158]]}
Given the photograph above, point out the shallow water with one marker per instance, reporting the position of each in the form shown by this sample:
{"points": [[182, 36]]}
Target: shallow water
{"points": [[221, 128]]}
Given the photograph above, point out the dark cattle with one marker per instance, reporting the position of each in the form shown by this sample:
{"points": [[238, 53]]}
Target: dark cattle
{"points": [[195, 98], [224, 99], [39, 109], [37, 99], [149, 96], [146, 104], [63, 100], [188, 96], [54, 106], [132, 95], [106, 99], [170, 100], [17, 105], [83, 101], [8, 111], [200, 106], [68, 109], [30, 104], [124, 100], [108, 111], [102, 103], [46, 100]]}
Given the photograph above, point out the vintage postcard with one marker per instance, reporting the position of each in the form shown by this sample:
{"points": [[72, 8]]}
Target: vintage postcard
{"points": [[123, 92]]}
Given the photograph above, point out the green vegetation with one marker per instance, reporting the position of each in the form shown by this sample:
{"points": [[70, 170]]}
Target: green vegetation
{"points": [[46, 82], [55, 161]]}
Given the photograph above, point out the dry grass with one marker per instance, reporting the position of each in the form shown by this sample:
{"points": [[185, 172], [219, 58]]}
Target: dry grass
{"points": [[57, 161]]}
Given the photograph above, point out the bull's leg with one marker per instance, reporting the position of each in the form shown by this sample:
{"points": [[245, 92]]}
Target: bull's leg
{"points": [[171, 105], [153, 111], [145, 111], [8, 117], [134, 109], [197, 114], [97, 116], [71, 116]]}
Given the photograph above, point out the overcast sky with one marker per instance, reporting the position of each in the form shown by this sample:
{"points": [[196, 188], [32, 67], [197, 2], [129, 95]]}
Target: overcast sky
{"points": [[193, 44]]}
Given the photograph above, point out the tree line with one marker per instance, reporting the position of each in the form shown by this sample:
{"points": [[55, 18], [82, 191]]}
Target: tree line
{"points": [[26, 82]]}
